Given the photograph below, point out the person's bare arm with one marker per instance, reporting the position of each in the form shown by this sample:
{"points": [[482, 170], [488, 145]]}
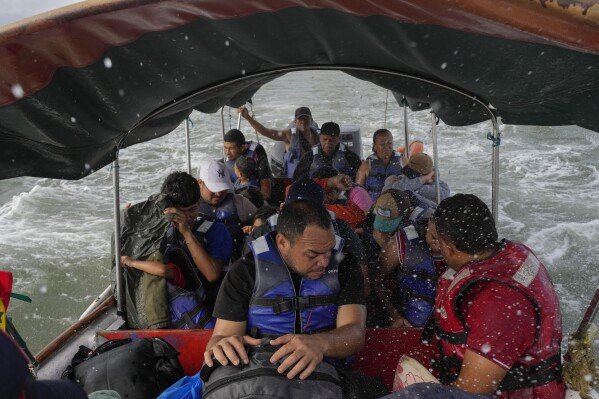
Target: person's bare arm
{"points": [[277, 135], [479, 375], [388, 262], [153, 267], [210, 267], [307, 351], [363, 172], [265, 188], [227, 343]]}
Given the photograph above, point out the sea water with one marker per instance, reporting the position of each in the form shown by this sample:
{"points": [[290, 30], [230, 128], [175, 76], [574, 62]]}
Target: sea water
{"points": [[55, 234]]}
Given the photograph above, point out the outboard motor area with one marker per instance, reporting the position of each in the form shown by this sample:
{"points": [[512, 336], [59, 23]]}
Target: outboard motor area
{"points": [[350, 136]]}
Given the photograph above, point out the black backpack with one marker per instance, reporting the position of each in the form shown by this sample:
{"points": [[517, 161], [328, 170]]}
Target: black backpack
{"points": [[260, 380], [137, 369]]}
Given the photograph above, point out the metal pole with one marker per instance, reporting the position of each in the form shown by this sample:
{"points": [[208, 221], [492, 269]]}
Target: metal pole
{"points": [[435, 156], [187, 145], [386, 103], [120, 286], [405, 127], [239, 121], [495, 170], [222, 123]]}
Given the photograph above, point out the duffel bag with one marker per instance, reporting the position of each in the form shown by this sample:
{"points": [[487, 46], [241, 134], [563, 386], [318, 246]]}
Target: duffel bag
{"points": [[137, 369], [260, 380]]}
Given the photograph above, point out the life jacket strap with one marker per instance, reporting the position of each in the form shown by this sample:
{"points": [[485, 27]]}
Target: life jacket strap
{"points": [[525, 376], [187, 318], [282, 304]]}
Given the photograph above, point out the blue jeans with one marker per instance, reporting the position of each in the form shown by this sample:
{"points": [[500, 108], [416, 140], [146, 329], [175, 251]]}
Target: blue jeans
{"points": [[433, 391]]}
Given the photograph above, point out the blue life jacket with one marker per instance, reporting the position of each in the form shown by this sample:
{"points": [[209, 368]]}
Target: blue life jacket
{"points": [[375, 181], [416, 278], [226, 213], [250, 152], [275, 302], [188, 307], [293, 155], [337, 161]]}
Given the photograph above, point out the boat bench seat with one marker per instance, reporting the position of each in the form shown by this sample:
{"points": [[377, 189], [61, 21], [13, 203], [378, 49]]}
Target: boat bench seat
{"points": [[383, 348]]}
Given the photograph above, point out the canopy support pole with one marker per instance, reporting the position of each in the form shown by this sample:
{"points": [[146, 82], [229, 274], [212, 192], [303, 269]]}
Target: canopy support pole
{"points": [[222, 124], [120, 284], [435, 156], [187, 145], [239, 121], [495, 137], [405, 128]]}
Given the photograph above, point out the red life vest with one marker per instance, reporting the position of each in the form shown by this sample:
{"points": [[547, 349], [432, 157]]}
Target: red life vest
{"points": [[538, 372]]}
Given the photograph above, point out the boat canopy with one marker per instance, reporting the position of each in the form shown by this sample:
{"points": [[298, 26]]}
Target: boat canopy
{"points": [[83, 81]]}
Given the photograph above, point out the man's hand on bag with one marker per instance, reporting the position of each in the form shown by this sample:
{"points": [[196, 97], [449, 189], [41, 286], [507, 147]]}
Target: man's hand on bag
{"points": [[305, 353], [230, 349]]}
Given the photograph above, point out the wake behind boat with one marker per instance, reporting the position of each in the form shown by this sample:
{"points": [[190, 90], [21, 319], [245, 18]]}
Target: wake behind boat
{"points": [[40, 144]]}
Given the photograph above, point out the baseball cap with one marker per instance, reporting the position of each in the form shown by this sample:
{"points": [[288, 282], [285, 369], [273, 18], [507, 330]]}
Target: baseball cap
{"points": [[330, 129], [302, 111], [389, 210], [16, 379], [421, 163], [305, 189], [215, 176]]}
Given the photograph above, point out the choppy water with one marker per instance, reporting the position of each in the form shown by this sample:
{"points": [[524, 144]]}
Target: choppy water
{"points": [[54, 235]]}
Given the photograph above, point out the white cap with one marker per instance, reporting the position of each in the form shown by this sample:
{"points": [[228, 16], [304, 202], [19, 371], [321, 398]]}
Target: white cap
{"points": [[215, 176]]}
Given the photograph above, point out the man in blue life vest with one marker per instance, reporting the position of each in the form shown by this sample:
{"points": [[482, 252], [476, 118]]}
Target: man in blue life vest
{"points": [[404, 251], [298, 138], [294, 289], [382, 163], [219, 203], [329, 152], [191, 256], [235, 146]]}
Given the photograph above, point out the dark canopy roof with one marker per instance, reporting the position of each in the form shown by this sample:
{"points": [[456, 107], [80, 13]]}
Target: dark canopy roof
{"points": [[78, 83]]}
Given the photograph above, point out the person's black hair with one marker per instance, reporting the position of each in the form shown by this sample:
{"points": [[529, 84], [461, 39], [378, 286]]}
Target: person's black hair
{"points": [[181, 189], [324, 172], [264, 212], [247, 167], [235, 136], [465, 221], [254, 195], [377, 134], [296, 216]]}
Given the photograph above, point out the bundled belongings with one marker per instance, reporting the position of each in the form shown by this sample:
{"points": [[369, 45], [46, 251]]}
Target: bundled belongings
{"points": [[260, 379], [135, 369]]}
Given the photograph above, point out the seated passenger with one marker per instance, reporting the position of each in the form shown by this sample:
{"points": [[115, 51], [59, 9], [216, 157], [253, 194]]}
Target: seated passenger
{"points": [[405, 252], [246, 171], [309, 190], [382, 163], [344, 208], [416, 147], [261, 217], [298, 139], [329, 152], [218, 203], [235, 146], [253, 195], [497, 313], [190, 243], [295, 269], [418, 176]]}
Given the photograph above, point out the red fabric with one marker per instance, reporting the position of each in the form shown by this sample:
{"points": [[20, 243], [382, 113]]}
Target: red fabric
{"points": [[503, 335], [5, 287], [178, 277], [351, 213]]}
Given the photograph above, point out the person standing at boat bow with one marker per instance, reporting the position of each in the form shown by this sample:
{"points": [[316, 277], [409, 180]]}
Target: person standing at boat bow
{"points": [[497, 314], [298, 139]]}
